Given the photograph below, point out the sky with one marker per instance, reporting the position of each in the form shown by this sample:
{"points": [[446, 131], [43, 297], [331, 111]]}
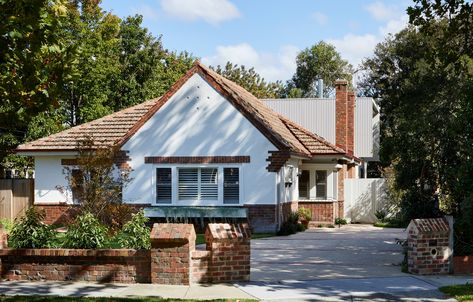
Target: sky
{"points": [[265, 34]]}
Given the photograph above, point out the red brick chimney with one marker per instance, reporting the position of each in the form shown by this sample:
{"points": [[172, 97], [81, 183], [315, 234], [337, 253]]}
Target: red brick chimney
{"points": [[345, 116], [351, 122]]}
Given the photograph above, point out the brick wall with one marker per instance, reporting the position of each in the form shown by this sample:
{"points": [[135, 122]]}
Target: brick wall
{"points": [[463, 265], [230, 251], [200, 267], [123, 266], [171, 260], [288, 208], [262, 218], [58, 213], [428, 246], [63, 214], [171, 248], [324, 212]]}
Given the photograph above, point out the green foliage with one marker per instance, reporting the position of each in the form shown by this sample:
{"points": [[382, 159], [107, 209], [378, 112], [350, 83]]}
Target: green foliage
{"points": [[291, 225], [320, 61], [7, 224], [70, 62], [380, 215], [340, 221], [426, 90], [85, 233], [29, 231], [462, 293], [250, 80], [135, 234], [304, 213]]}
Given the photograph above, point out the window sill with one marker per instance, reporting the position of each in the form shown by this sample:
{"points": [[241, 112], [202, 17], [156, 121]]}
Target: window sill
{"points": [[317, 200]]}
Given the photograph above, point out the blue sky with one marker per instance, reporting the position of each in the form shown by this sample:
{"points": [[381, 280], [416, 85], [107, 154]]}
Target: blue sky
{"points": [[266, 34]]}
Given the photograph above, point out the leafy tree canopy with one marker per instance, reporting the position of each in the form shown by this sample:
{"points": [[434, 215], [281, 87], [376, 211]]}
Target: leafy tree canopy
{"points": [[426, 93], [320, 61], [249, 79]]}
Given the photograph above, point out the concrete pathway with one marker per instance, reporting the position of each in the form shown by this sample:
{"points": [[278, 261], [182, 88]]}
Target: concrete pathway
{"points": [[353, 251], [405, 288], [82, 289]]}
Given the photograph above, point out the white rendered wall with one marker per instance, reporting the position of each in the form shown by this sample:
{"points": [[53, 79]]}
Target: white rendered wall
{"points": [[50, 181], [198, 121]]}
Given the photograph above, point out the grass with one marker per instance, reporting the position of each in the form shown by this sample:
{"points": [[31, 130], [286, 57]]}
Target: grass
{"points": [[74, 299], [387, 224], [463, 293], [200, 239]]}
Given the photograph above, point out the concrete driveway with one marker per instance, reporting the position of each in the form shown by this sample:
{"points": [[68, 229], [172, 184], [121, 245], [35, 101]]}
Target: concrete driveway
{"points": [[353, 251]]}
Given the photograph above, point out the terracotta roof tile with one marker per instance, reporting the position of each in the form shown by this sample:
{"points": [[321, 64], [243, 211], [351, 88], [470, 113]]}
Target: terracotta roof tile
{"points": [[118, 127], [105, 131], [315, 144]]}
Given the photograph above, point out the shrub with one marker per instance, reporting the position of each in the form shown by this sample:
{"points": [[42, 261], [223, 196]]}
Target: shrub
{"points": [[380, 215], [341, 221], [6, 224], [85, 233], [291, 226], [135, 234], [29, 231], [305, 214]]}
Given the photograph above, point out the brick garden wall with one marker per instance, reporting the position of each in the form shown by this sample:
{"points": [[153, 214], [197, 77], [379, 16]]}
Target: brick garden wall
{"points": [[229, 246], [428, 246], [171, 248], [172, 259], [123, 266]]}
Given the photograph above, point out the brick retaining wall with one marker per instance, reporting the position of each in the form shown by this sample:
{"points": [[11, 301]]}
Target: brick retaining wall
{"points": [[123, 266]]}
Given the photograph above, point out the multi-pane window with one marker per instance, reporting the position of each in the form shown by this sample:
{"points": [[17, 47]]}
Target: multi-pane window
{"points": [[231, 185], [163, 185], [304, 184], [321, 184], [198, 184]]}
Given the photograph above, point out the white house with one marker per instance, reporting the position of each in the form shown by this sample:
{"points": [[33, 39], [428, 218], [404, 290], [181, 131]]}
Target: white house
{"points": [[207, 146]]}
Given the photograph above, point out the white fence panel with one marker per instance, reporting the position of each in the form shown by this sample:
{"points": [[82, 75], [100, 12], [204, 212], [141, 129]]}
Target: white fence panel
{"points": [[363, 197]]}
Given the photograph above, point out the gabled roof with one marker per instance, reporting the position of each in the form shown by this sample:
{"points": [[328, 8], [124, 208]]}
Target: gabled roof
{"points": [[117, 128]]}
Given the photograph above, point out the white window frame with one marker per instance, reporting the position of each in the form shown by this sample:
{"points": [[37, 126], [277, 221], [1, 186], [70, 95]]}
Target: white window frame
{"points": [[175, 185], [332, 181]]}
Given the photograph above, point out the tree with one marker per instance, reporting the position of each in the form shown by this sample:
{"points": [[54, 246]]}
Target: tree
{"points": [[250, 80], [320, 61], [97, 183], [455, 64], [426, 93], [35, 62]]}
